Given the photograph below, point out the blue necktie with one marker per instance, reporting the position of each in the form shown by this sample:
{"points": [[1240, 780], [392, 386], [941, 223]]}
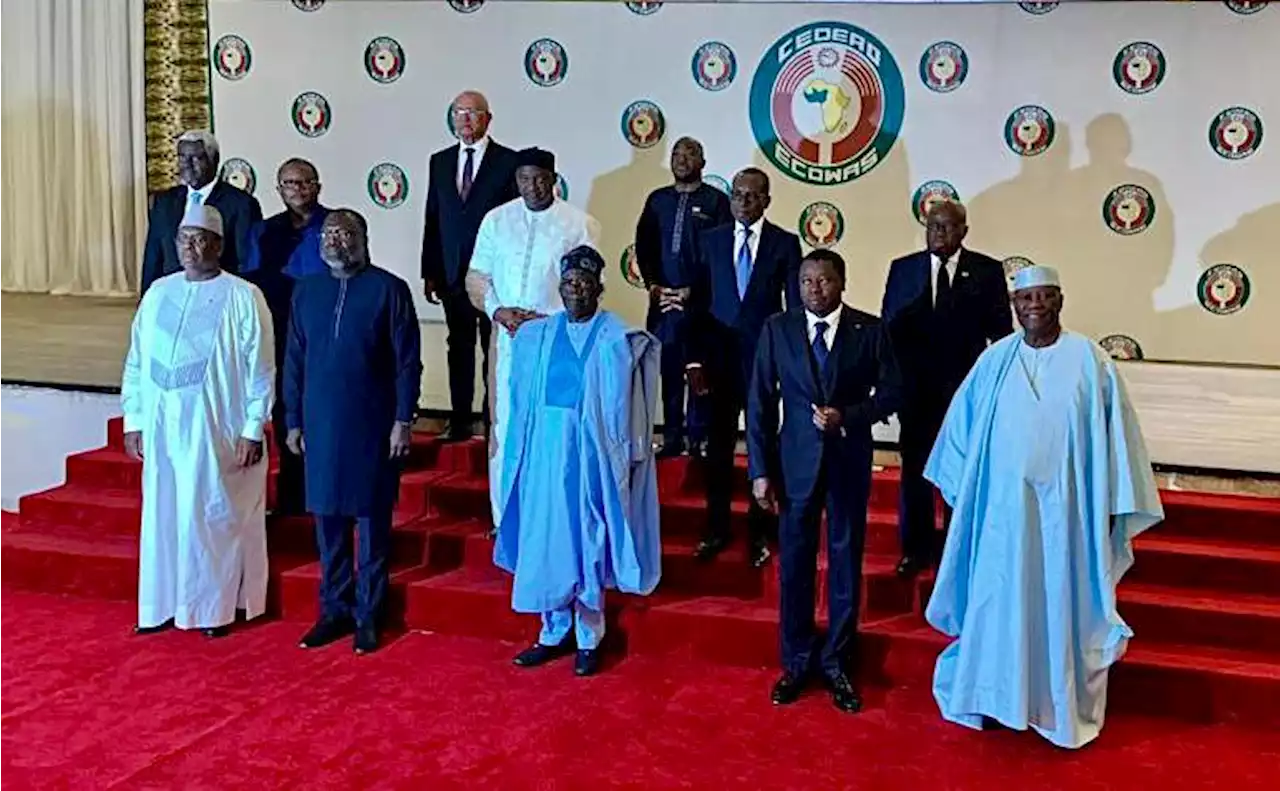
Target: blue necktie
{"points": [[194, 199], [744, 263], [820, 350]]}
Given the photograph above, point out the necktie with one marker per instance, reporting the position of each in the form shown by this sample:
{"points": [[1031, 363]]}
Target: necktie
{"points": [[820, 350], [943, 288], [194, 199], [744, 262], [468, 173]]}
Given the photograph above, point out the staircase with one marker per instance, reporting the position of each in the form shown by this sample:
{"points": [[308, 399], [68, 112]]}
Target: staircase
{"points": [[1203, 596]]}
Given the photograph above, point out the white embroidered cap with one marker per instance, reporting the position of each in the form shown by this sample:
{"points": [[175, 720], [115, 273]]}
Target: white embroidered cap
{"points": [[1036, 275], [203, 216]]}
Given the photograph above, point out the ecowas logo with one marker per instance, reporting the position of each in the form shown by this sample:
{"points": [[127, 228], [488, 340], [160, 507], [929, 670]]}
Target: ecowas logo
{"points": [[821, 224], [714, 66], [630, 267], [546, 63], [1245, 7], [239, 174], [1029, 130], [1128, 209], [1235, 133], [561, 189], [1223, 289], [827, 103], [308, 5], [384, 60], [466, 6], [388, 185], [644, 7], [643, 124], [1121, 347], [311, 114], [944, 67], [719, 182], [232, 57], [1013, 265], [928, 194], [1038, 8], [1139, 68]]}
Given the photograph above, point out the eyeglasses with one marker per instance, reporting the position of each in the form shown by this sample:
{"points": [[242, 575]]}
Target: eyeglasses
{"points": [[297, 183], [470, 114]]}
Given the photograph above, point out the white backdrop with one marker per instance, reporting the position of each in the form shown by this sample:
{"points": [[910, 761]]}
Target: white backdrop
{"points": [[1208, 209]]}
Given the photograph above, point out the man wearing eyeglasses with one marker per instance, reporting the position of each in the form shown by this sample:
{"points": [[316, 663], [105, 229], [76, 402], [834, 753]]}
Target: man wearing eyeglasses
{"points": [[465, 182], [286, 248]]}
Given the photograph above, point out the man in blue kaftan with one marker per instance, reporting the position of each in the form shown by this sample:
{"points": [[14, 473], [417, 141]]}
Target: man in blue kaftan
{"points": [[1042, 459], [579, 499]]}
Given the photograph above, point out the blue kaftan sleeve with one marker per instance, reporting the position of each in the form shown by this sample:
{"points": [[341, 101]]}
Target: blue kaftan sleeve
{"points": [[644, 397], [406, 342], [1135, 499], [295, 357]]}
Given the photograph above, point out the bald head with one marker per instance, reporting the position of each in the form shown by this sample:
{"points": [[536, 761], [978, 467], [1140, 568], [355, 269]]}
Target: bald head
{"points": [[470, 115], [946, 225]]}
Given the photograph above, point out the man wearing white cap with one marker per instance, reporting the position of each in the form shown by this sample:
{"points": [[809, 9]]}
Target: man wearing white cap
{"points": [[1042, 459], [196, 394]]}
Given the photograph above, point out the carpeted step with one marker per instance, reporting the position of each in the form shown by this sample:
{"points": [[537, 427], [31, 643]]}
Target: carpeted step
{"points": [[1205, 564], [1221, 517], [300, 591], [1230, 620]]}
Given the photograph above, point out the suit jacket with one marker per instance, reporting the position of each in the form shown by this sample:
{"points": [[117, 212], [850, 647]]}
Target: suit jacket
{"points": [[450, 225], [720, 316], [861, 379], [936, 346], [241, 214]]}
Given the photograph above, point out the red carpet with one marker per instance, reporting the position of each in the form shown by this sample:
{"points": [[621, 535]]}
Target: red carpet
{"points": [[1204, 599], [86, 706]]}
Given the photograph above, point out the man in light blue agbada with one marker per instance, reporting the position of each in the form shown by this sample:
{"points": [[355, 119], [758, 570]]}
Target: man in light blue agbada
{"points": [[578, 502], [1042, 459]]}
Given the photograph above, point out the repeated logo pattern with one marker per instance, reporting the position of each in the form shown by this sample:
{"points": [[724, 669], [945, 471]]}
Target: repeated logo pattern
{"points": [[1038, 8], [308, 5], [466, 6], [821, 225], [630, 267], [944, 67], [643, 124], [1121, 347], [1235, 133], [546, 63], [239, 174], [1223, 289], [1139, 68], [714, 66], [311, 114], [384, 60], [1128, 209], [1246, 7], [644, 7], [928, 194], [232, 57], [1029, 130], [1013, 265], [719, 182], [388, 186]]}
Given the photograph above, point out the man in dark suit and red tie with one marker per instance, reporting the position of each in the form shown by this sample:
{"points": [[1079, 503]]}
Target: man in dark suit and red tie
{"points": [[942, 305], [743, 270], [834, 369], [465, 182]]}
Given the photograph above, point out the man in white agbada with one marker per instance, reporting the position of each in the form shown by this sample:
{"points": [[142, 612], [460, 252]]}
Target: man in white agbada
{"points": [[196, 394], [515, 276], [1043, 462]]}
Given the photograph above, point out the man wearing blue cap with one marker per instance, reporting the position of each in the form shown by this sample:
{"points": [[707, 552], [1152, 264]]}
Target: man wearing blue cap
{"points": [[1042, 461], [578, 501]]}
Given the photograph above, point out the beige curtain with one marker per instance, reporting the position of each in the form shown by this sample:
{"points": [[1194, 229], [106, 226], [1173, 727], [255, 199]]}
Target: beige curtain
{"points": [[73, 162]]}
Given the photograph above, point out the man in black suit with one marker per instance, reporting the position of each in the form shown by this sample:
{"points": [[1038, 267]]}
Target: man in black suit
{"points": [[835, 371], [943, 306], [743, 269], [465, 182], [198, 159]]}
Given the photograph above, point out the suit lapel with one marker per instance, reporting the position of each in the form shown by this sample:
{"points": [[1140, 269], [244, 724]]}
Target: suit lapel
{"points": [[484, 173], [798, 335], [727, 241], [843, 330]]}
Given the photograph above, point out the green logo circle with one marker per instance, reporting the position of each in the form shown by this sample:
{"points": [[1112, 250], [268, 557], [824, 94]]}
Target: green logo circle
{"points": [[388, 186]]}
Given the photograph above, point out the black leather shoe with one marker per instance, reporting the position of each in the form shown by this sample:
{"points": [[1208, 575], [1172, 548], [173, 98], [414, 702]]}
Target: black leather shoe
{"points": [[325, 631], [587, 662], [787, 689], [909, 566], [709, 547], [539, 654], [160, 627], [670, 450], [457, 432], [759, 554], [216, 632], [366, 641], [843, 694]]}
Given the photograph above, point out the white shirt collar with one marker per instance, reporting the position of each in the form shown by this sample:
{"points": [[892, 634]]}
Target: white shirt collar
{"points": [[952, 262], [203, 191], [478, 147], [832, 319], [755, 228]]}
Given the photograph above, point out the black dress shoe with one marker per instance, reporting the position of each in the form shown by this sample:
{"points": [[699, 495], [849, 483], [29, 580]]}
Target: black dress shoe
{"points": [[843, 694], [709, 547], [670, 450], [787, 689], [160, 627], [325, 631], [759, 554], [366, 641], [457, 432], [697, 450], [909, 566], [216, 632], [539, 654], [587, 662]]}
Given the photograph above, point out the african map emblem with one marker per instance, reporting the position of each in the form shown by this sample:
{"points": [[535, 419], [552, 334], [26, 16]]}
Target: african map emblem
{"points": [[466, 6], [1029, 130], [384, 60], [1038, 8], [1223, 289], [1121, 347], [308, 5], [561, 189], [643, 124], [232, 57], [1139, 68], [1013, 265], [311, 114], [929, 193], [1235, 133], [644, 7], [1245, 7], [1128, 209], [630, 267], [546, 63], [827, 103], [388, 185], [239, 174], [714, 66], [944, 66], [719, 182], [821, 224]]}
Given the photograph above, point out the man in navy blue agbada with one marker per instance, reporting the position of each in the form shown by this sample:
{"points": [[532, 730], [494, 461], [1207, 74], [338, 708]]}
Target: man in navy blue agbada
{"points": [[287, 248], [666, 233], [352, 379]]}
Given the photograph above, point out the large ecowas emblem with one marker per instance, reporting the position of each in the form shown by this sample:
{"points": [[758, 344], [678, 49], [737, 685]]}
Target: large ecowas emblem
{"points": [[232, 57], [239, 174], [388, 185], [944, 67], [1139, 68], [1235, 133], [714, 66], [546, 63], [311, 114], [384, 60], [1029, 130], [1128, 209], [827, 103]]}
